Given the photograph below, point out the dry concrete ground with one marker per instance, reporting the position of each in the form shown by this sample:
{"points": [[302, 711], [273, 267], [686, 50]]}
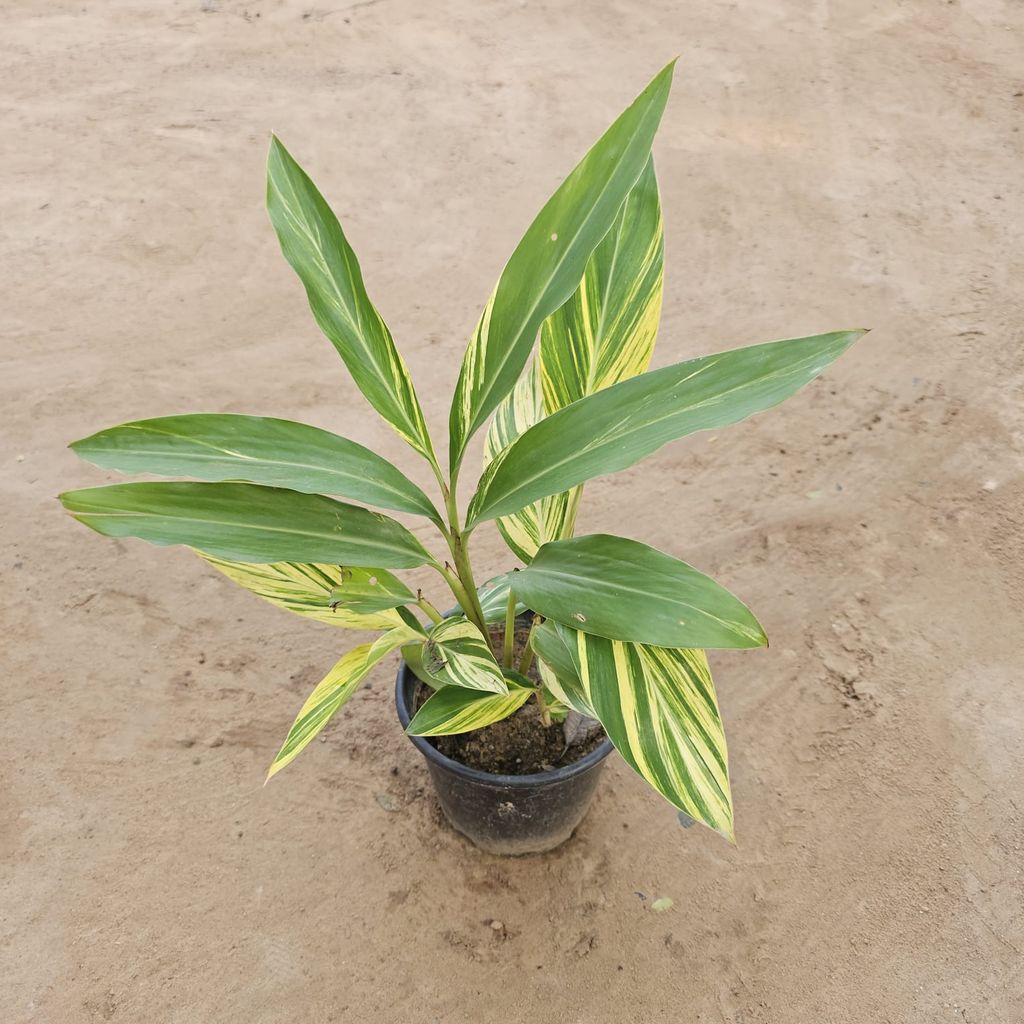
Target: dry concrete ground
{"points": [[823, 165]]}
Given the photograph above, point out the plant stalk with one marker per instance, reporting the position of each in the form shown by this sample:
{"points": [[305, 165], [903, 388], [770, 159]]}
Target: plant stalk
{"points": [[432, 612], [527, 659], [510, 630]]}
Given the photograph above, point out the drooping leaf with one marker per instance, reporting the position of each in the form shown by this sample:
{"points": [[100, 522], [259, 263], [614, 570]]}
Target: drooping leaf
{"points": [[453, 709], [333, 691], [315, 245], [625, 590], [659, 709], [247, 523], [548, 263], [456, 653], [369, 590], [307, 590], [619, 426], [258, 450], [604, 333]]}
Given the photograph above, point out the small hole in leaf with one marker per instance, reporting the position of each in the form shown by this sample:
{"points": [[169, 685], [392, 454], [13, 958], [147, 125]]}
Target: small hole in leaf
{"points": [[373, 582], [554, 236], [579, 617]]}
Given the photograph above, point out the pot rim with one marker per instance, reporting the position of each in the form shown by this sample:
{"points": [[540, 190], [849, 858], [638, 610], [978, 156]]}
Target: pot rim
{"points": [[431, 753]]}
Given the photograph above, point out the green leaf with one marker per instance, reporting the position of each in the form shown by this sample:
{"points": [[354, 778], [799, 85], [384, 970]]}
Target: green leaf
{"points": [[659, 709], [604, 333], [494, 597], [247, 523], [621, 425], [453, 709], [547, 265], [556, 660], [457, 654], [259, 450], [332, 692], [625, 590], [307, 589], [314, 244]]}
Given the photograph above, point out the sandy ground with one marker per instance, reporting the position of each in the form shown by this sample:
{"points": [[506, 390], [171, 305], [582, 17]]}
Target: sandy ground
{"points": [[823, 165]]}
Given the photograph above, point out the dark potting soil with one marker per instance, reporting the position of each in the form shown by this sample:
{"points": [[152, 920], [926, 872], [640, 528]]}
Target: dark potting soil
{"points": [[518, 745]]}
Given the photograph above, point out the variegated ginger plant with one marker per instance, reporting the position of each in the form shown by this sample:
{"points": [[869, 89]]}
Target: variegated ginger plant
{"points": [[620, 628]]}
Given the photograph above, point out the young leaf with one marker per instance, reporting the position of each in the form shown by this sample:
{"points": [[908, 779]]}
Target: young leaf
{"points": [[547, 265], [314, 244], [453, 709], [494, 597], [259, 450], [457, 654], [603, 334], [331, 693], [658, 706], [307, 589], [246, 523], [625, 590], [621, 425]]}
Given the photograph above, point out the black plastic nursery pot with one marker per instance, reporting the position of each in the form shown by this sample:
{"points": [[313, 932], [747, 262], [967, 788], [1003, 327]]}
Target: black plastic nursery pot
{"points": [[505, 814]]}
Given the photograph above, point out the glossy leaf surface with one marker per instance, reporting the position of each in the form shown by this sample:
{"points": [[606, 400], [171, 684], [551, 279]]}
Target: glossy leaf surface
{"points": [[307, 590], [247, 523], [547, 265], [259, 450], [658, 706], [619, 426], [625, 590], [315, 245], [453, 709]]}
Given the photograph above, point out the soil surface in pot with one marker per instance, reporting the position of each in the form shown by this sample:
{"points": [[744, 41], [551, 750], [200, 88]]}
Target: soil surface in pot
{"points": [[520, 744]]}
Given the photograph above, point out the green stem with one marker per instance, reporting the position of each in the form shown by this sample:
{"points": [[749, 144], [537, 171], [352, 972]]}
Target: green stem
{"points": [[510, 630], [431, 611], [468, 599], [545, 715], [527, 659]]}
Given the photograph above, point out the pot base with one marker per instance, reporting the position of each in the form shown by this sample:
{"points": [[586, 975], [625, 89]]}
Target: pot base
{"points": [[508, 815]]}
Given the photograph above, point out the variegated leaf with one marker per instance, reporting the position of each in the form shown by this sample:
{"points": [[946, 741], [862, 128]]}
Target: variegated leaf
{"points": [[493, 597], [617, 427], [315, 245], [603, 334], [453, 709], [658, 706], [305, 589], [549, 261], [556, 662], [333, 690], [456, 653]]}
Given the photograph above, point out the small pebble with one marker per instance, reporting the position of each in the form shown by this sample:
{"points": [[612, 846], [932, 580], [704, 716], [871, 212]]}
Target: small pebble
{"points": [[497, 925]]}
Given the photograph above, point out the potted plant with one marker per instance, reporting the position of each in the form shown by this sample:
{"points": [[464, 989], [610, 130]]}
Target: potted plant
{"points": [[596, 641]]}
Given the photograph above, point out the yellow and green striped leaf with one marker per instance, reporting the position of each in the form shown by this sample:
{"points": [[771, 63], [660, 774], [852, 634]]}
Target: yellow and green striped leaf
{"points": [[606, 331], [453, 709], [332, 691], [556, 662], [549, 261], [456, 653], [247, 523], [258, 450], [617, 427], [315, 245], [603, 334], [305, 589], [658, 706]]}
